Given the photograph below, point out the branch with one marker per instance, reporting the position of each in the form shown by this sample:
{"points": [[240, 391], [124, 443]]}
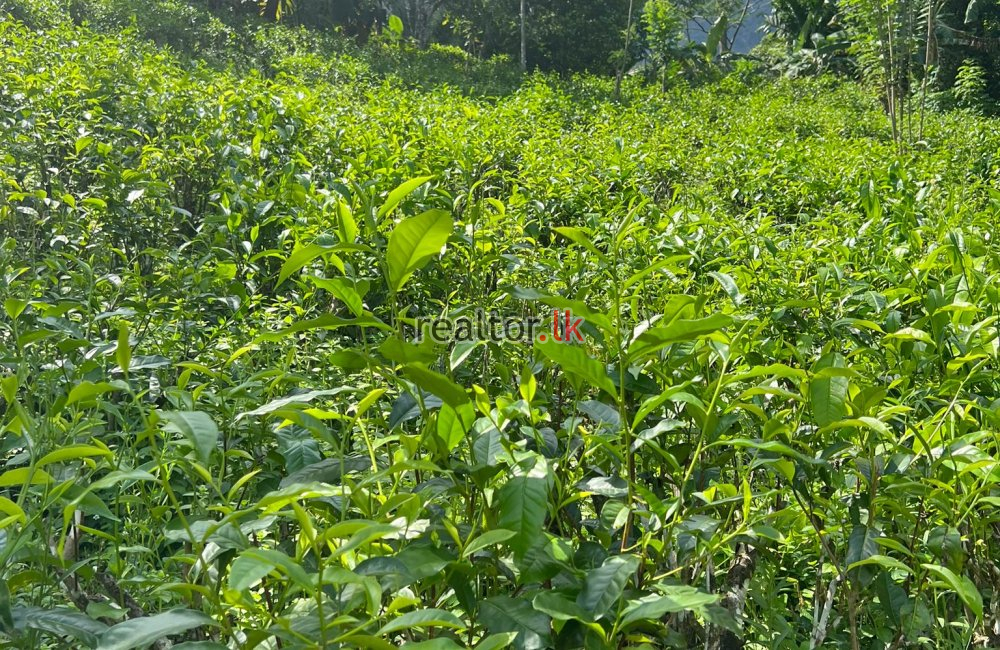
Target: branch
{"points": [[821, 622]]}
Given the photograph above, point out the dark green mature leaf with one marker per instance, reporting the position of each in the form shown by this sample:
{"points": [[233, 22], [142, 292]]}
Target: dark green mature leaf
{"points": [[297, 446], [575, 360], [197, 427], [59, 621], [523, 503], [344, 290], [505, 614], [487, 539], [437, 384], [828, 391], [675, 598], [604, 585], [861, 545], [560, 608], [442, 643], [140, 632], [328, 470], [892, 597], [6, 613]]}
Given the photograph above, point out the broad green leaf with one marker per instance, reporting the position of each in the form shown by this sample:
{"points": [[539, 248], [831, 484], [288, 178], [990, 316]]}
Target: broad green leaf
{"points": [[861, 544], [254, 564], [197, 427], [437, 384], [505, 614], [123, 351], [523, 504], [961, 585], [21, 475], [828, 393], [675, 598], [578, 308], [911, 334], [604, 585], [140, 632], [59, 621], [461, 352], [414, 242], [771, 446], [344, 290], [574, 359], [116, 477], [560, 608], [299, 398], [442, 643], [893, 598], [580, 236], [325, 322], [487, 539], [396, 25], [657, 338], [347, 225], [453, 424], [73, 452], [297, 446], [302, 256], [422, 618], [728, 285], [6, 613], [397, 195], [883, 561], [497, 641], [86, 391], [14, 307]]}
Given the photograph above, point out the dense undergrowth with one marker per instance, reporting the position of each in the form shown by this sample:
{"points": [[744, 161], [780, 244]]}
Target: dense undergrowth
{"points": [[215, 412]]}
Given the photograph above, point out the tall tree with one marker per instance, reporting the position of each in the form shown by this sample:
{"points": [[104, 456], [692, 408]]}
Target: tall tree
{"points": [[421, 18], [524, 36], [276, 9], [623, 55]]}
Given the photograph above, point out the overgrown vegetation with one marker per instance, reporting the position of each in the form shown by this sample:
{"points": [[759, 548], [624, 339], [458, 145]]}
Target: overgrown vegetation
{"points": [[220, 427]]}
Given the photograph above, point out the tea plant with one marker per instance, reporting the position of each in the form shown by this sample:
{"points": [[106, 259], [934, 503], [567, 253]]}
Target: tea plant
{"points": [[222, 429]]}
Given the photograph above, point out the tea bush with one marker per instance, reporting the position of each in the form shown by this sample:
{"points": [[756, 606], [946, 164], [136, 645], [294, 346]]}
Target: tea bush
{"points": [[219, 426]]}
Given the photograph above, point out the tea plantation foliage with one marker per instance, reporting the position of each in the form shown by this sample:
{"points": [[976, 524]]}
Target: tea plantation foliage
{"points": [[219, 430]]}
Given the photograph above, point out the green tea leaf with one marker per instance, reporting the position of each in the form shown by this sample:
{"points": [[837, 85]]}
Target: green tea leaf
{"points": [[140, 632], [414, 242], [604, 585], [423, 618], [197, 427], [575, 360]]}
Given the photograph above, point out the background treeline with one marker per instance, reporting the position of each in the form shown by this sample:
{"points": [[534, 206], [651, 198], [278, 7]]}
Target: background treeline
{"points": [[953, 44], [920, 54]]}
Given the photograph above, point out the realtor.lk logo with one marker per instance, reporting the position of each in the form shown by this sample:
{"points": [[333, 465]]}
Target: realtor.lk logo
{"points": [[559, 325]]}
